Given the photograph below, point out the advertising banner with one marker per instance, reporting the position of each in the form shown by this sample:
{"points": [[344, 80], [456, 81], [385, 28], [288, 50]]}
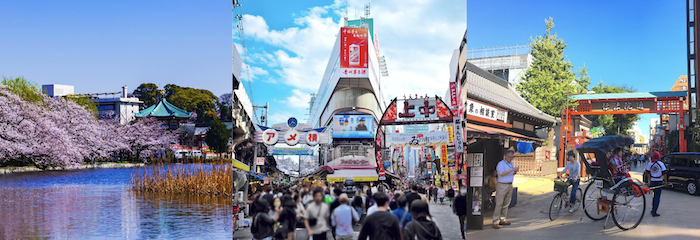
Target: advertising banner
{"points": [[418, 139], [450, 130], [353, 52], [453, 94], [353, 126], [443, 154], [290, 151], [417, 110]]}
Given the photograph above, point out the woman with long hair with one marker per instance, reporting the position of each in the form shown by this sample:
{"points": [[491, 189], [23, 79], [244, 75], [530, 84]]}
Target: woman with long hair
{"points": [[422, 226]]}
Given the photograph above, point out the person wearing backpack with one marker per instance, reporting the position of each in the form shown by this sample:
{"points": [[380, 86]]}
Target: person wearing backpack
{"points": [[421, 228], [401, 212], [656, 172], [262, 224]]}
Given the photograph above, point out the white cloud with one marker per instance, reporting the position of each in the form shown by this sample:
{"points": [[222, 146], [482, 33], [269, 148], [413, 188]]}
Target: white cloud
{"points": [[298, 99], [416, 36], [255, 72]]}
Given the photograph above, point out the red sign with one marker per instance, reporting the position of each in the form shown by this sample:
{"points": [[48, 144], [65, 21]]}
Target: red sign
{"points": [[381, 173], [453, 94], [354, 48], [546, 155], [417, 110]]}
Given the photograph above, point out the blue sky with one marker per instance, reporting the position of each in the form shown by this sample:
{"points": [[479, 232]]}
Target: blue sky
{"points": [[100, 46], [289, 46], [640, 44]]}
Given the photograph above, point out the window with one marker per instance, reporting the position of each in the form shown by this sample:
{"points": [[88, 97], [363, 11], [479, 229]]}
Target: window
{"points": [[529, 127], [684, 88], [679, 161], [518, 125]]}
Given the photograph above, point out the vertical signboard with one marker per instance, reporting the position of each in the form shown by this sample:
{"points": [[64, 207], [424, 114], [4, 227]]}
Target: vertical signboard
{"points": [[459, 144], [443, 154], [453, 94], [353, 52]]}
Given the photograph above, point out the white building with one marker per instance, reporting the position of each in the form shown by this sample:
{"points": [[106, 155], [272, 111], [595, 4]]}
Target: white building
{"points": [[57, 90], [122, 107], [507, 62]]}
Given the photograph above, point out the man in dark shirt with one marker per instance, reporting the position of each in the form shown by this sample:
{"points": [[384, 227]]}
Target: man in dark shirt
{"points": [[361, 126], [381, 225], [460, 207], [412, 195]]}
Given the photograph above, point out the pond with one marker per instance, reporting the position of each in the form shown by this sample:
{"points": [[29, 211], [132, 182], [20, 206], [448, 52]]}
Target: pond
{"points": [[98, 204]]}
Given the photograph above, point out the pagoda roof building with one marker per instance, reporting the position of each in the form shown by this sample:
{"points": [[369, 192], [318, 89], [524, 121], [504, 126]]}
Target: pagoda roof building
{"points": [[164, 110]]}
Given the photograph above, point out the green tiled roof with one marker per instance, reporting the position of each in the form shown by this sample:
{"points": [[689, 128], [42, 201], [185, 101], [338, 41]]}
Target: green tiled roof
{"points": [[629, 95], [163, 109]]}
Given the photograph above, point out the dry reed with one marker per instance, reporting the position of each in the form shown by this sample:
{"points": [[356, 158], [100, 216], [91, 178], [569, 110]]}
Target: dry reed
{"points": [[214, 179]]}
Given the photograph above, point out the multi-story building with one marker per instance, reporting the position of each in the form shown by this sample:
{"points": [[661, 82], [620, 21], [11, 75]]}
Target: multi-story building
{"points": [[350, 100], [506, 62], [57, 90], [123, 107]]}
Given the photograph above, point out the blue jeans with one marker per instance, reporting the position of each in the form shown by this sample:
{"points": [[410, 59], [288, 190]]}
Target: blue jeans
{"points": [[657, 196], [574, 187]]}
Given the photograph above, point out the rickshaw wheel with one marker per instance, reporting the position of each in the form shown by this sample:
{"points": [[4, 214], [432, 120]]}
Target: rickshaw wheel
{"points": [[590, 202], [630, 205]]}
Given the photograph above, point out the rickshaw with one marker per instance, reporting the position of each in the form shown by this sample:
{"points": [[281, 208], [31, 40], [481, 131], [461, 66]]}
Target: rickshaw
{"points": [[611, 195]]}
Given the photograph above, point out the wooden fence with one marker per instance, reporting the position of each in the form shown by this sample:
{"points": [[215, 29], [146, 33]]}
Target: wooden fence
{"points": [[536, 163]]}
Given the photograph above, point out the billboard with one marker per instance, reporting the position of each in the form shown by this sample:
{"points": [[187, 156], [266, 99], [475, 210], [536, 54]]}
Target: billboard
{"points": [[353, 126], [354, 46]]}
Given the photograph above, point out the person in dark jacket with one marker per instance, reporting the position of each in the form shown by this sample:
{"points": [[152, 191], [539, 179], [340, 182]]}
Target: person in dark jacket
{"points": [[262, 224], [412, 195], [451, 195], [357, 203], [287, 217], [421, 228], [459, 208], [381, 225], [393, 203]]}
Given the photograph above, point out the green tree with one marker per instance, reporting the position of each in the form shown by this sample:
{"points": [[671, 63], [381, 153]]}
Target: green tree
{"points": [[147, 93], [614, 124], [25, 89], [550, 77], [201, 101], [84, 101], [217, 137]]}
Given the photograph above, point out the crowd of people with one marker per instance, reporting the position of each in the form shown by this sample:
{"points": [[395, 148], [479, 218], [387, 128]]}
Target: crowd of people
{"points": [[332, 212]]}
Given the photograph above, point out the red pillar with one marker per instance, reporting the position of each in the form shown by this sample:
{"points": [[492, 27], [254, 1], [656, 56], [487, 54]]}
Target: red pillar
{"points": [[681, 130]]}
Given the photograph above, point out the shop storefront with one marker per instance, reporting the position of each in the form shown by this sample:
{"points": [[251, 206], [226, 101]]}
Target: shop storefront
{"points": [[498, 119]]}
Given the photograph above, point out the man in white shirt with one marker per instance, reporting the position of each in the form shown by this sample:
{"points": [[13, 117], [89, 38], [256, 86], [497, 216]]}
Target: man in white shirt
{"points": [[504, 189], [656, 170]]}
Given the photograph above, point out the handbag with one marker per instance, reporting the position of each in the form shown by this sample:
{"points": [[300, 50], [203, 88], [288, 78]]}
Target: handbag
{"points": [[314, 220], [282, 230]]}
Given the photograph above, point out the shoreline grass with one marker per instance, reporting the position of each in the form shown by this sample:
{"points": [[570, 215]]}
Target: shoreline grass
{"points": [[215, 179]]}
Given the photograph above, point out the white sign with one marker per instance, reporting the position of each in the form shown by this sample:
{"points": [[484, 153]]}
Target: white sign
{"points": [[459, 142], [292, 137], [270, 136], [419, 139], [477, 171], [312, 138], [478, 159], [478, 109], [260, 161], [476, 181]]}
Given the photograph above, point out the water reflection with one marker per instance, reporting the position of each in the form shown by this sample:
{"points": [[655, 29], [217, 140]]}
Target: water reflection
{"points": [[98, 204]]}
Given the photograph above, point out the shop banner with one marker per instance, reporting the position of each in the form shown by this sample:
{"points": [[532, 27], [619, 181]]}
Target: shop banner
{"points": [[453, 94], [450, 130], [419, 139], [443, 154], [458, 138], [479, 109]]}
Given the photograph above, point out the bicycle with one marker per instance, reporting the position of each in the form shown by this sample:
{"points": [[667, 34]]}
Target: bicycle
{"points": [[562, 197]]}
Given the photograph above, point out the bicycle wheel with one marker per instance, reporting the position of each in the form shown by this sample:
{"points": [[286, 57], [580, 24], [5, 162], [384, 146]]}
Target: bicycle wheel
{"points": [[555, 207], [630, 204], [579, 199], [590, 202]]}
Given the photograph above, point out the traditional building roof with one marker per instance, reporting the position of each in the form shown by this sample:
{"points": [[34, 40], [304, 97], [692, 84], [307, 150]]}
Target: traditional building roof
{"points": [[164, 109], [488, 88]]}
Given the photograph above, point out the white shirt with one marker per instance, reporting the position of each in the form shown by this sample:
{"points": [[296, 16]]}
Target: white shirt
{"points": [[656, 169], [503, 166], [372, 209], [574, 170]]}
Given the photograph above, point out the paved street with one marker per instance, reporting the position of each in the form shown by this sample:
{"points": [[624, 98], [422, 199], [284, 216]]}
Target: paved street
{"points": [[679, 213]]}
